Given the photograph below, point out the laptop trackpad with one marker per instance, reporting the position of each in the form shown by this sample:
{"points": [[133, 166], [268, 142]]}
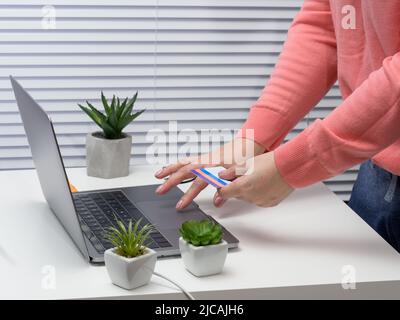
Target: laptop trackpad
{"points": [[162, 213]]}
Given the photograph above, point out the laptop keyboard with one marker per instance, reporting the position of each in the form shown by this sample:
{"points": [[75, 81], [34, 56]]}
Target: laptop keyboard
{"points": [[99, 211]]}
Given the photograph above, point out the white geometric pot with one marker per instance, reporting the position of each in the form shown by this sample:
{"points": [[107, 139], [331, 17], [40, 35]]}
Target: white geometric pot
{"points": [[130, 273], [205, 260], [107, 158]]}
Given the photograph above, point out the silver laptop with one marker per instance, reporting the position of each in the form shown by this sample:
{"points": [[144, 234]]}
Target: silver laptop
{"points": [[86, 215]]}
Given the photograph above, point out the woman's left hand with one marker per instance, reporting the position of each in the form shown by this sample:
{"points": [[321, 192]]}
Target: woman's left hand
{"points": [[259, 182]]}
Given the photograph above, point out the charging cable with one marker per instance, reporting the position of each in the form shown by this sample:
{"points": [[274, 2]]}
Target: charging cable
{"points": [[190, 297]]}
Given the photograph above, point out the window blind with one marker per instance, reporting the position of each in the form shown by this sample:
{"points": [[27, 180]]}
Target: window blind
{"points": [[200, 63]]}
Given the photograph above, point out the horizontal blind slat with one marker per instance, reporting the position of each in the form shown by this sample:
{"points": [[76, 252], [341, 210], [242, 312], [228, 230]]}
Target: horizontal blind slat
{"points": [[132, 12], [145, 24], [144, 35], [177, 3]]}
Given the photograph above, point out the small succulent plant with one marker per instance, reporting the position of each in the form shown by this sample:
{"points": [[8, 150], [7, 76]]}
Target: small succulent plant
{"points": [[129, 241], [118, 114], [201, 232]]}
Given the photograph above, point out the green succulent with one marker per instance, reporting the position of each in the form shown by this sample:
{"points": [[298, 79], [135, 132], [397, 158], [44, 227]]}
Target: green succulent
{"points": [[129, 241], [201, 232], [116, 117]]}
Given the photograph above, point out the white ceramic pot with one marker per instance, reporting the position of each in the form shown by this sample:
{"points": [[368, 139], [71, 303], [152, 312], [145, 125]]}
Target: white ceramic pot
{"points": [[130, 273], [205, 260], [107, 158]]}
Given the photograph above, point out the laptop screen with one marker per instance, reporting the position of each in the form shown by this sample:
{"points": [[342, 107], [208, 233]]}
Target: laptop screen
{"points": [[48, 163]]}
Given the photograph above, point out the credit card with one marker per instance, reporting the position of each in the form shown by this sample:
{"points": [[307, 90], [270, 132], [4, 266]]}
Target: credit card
{"points": [[210, 175]]}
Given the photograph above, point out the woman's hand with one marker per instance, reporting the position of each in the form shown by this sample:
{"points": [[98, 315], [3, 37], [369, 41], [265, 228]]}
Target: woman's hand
{"points": [[232, 153], [260, 184]]}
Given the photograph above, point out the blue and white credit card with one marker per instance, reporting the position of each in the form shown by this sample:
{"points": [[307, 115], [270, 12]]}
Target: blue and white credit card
{"points": [[210, 175]]}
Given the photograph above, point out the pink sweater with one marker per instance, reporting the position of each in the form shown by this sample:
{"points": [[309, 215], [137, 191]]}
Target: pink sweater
{"points": [[323, 46]]}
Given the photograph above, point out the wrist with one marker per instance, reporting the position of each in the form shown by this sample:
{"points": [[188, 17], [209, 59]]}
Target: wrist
{"points": [[298, 164]]}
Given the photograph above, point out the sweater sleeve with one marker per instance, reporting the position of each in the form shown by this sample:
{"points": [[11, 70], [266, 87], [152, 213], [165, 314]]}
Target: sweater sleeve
{"points": [[305, 71], [365, 123]]}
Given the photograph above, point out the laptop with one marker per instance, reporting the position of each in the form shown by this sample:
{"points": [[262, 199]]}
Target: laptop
{"points": [[86, 215]]}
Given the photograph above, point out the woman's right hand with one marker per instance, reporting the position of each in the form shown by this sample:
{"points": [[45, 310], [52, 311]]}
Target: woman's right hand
{"points": [[234, 152]]}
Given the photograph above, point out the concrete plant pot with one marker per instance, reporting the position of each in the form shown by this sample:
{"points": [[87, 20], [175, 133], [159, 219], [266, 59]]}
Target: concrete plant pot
{"points": [[203, 261], [107, 158], [130, 273]]}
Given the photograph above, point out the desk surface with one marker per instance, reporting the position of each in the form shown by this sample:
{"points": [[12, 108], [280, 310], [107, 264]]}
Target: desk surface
{"points": [[298, 249]]}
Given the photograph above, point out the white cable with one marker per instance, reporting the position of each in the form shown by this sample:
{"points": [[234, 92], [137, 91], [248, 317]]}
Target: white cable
{"points": [[175, 284]]}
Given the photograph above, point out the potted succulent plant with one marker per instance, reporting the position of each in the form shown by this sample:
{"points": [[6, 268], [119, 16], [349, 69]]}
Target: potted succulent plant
{"points": [[202, 248], [130, 264], [108, 151]]}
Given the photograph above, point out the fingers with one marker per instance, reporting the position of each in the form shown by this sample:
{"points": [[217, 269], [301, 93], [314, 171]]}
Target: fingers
{"points": [[177, 177], [232, 172], [218, 201], [228, 174], [168, 170], [232, 190], [195, 188]]}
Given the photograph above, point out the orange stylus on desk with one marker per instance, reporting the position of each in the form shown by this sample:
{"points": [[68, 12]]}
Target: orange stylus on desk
{"points": [[72, 187]]}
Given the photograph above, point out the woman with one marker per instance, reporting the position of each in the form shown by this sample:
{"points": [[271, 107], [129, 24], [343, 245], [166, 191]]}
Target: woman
{"points": [[357, 43]]}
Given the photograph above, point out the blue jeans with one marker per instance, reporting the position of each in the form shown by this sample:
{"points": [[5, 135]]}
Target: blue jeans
{"points": [[376, 199]]}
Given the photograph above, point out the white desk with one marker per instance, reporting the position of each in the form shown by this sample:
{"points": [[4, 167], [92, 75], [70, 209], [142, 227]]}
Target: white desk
{"points": [[295, 250]]}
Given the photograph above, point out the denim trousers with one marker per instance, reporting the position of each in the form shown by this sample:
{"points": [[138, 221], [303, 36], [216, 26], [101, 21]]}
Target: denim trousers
{"points": [[376, 199]]}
